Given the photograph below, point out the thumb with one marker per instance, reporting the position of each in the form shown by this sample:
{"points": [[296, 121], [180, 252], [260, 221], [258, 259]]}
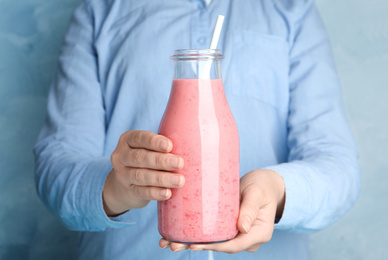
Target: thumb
{"points": [[249, 209]]}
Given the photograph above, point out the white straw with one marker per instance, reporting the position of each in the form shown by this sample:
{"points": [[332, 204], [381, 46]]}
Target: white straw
{"points": [[217, 32]]}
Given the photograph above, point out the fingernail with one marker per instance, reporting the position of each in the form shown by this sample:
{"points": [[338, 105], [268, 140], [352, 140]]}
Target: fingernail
{"points": [[176, 180], [196, 249], [179, 249], [163, 193], [164, 145], [175, 162], [247, 224], [165, 246]]}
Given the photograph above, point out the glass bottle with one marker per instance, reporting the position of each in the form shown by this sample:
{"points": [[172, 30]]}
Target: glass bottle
{"points": [[201, 126]]}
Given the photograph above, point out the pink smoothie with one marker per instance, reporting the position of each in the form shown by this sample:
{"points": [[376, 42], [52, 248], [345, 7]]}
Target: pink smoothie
{"points": [[201, 126]]}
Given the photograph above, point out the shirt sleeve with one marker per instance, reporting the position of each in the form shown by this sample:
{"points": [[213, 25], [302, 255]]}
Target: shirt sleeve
{"points": [[322, 174], [70, 166]]}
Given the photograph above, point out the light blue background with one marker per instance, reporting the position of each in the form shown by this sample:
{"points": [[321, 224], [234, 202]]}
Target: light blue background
{"points": [[30, 36]]}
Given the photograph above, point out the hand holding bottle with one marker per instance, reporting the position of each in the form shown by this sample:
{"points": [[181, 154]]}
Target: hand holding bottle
{"points": [[142, 165], [262, 198]]}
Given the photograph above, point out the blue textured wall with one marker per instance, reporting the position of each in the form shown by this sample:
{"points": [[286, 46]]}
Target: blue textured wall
{"points": [[30, 36], [31, 33]]}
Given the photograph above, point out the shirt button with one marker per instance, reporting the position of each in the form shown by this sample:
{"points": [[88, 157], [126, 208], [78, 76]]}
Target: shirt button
{"points": [[201, 40]]}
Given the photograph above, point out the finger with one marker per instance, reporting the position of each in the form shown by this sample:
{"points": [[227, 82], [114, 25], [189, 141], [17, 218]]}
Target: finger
{"points": [[251, 202], [254, 248], [148, 140], [141, 158], [150, 193], [176, 247], [147, 177], [164, 243], [240, 243]]}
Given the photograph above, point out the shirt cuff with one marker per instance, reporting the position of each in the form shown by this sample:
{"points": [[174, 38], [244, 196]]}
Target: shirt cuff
{"points": [[89, 198], [297, 198]]}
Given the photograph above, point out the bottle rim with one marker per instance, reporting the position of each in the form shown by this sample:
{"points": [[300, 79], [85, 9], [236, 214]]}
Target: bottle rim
{"points": [[197, 54]]}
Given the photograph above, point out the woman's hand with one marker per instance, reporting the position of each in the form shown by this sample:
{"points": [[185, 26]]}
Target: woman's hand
{"points": [[262, 199], [142, 165]]}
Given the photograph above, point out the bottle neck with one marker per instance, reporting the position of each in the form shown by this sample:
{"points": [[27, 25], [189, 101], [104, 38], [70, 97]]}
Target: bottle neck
{"points": [[197, 69], [197, 64]]}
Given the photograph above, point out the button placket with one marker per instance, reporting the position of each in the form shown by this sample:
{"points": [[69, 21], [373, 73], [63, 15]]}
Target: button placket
{"points": [[199, 26]]}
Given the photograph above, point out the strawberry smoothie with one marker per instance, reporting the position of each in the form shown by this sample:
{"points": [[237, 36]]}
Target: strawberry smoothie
{"points": [[201, 126]]}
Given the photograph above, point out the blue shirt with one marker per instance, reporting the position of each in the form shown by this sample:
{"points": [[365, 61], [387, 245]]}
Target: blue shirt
{"points": [[115, 74]]}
